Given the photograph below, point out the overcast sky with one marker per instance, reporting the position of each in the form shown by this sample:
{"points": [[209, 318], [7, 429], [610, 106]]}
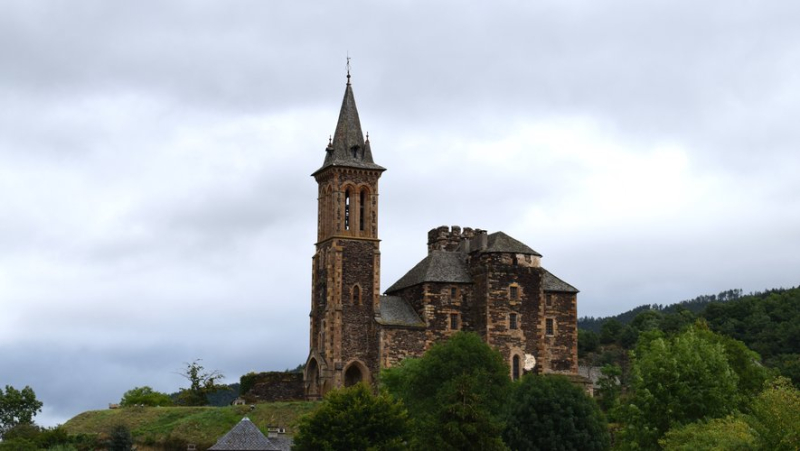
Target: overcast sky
{"points": [[156, 204]]}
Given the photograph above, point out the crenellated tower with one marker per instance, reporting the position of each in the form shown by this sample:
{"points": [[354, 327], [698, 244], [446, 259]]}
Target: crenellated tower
{"points": [[346, 265]]}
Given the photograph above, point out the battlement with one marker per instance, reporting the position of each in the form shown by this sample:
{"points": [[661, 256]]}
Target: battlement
{"points": [[445, 238]]}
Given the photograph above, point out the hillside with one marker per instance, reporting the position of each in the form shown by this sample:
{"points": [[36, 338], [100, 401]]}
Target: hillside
{"points": [[176, 426]]}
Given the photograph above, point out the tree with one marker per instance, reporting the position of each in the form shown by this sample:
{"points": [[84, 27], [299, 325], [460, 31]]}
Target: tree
{"points": [[730, 433], [145, 396], [776, 416], [676, 381], [550, 412], [354, 419], [201, 384], [609, 387], [455, 394], [120, 439], [17, 407]]}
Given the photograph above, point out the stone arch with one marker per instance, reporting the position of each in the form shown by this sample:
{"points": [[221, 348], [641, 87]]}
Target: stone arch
{"points": [[312, 377], [355, 372], [516, 363]]}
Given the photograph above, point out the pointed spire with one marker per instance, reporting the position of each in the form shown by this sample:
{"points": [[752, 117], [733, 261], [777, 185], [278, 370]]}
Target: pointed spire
{"points": [[348, 148]]}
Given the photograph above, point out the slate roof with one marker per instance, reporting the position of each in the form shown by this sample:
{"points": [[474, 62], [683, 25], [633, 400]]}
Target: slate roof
{"points": [[438, 266], [395, 311], [500, 242], [245, 436], [348, 147], [553, 283]]}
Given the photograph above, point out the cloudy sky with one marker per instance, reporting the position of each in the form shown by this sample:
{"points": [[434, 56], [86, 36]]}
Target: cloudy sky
{"points": [[156, 204]]}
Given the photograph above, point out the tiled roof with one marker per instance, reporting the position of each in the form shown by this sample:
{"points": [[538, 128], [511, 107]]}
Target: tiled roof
{"points": [[500, 242], [245, 436], [348, 148], [395, 311], [438, 266], [553, 283]]}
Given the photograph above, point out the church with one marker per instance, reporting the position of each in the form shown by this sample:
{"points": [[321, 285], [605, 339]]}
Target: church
{"points": [[470, 280]]}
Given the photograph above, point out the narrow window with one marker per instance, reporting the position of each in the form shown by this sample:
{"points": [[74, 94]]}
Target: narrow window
{"points": [[515, 367], [512, 321], [454, 321], [549, 326], [453, 293], [361, 202], [356, 295], [354, 149], [514, 292], [347, 209], [548, 299]]}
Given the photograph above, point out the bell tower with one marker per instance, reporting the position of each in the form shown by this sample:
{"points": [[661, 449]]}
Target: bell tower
{"points": [[346, 265]]}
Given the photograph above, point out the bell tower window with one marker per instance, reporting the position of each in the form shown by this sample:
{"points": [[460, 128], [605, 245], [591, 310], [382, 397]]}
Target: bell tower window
{"points": [[347, 209], [361, 202]]}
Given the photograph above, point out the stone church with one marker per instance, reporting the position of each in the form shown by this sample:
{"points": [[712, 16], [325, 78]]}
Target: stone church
{"points": [[472, 280]]}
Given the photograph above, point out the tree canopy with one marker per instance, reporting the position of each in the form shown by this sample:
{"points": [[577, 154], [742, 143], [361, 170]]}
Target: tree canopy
{"points": [[354, 419], [455, 394], [201, 384], [676, 381], [551, 413], [17, 407], [145, 396]]}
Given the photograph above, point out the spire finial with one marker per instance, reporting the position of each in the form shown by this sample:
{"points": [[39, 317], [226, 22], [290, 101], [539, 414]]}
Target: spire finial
{"points": [[348, 68], [330, 140], [367, 136]]}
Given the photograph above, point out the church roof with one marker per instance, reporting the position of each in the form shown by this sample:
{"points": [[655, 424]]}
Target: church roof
{"points": [[348, 148], [245, 436], [553, 283], [438, 266], [395, 311], [500, 242]]}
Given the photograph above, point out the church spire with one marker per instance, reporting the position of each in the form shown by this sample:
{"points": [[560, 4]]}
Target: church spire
{"points": [[348, 147]]}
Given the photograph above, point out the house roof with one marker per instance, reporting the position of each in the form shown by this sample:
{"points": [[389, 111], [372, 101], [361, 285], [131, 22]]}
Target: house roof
{"points": [[437, 266], [500, 242], [395, 311], [348, 148], [245, 436], [553, 283]]}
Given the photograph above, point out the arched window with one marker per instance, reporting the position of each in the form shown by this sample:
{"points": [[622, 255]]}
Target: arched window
{"points": [[361, 202], [356, 295], [347, 209], [353, 376], [515, 367]]}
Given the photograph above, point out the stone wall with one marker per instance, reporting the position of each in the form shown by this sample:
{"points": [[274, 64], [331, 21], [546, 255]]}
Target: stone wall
{"points": [[273, 387]]}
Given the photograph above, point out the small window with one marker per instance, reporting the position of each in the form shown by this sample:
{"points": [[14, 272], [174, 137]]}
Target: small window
{"points": [[548, 299], [512, 321], [453, 293], [549, 327], [454, 321], [515, 367], [356, 295], [514, 292]]}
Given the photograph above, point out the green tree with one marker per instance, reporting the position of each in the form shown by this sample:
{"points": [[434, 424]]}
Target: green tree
{"points": [[550, 412], [730, 433], [17, 407], [776, 416], [201, 384], [120, 439], [609, 387], [455, 394], [145, 396], [610, 331], [354, 419], [588, 341], [676, 381]]}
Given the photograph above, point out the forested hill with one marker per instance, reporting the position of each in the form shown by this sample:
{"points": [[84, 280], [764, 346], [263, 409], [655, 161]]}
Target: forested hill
{"points": [[767, 322], [695, 306]]}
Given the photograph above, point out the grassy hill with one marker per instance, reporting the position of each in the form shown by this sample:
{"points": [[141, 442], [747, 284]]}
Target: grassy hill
{"points": [[173, 427]]}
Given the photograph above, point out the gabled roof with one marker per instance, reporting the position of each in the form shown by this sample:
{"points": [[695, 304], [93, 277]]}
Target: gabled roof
{"points": [[438, 266], [348, 147], [245, 436], [395, 311], [500, 242], [553, 283]]}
